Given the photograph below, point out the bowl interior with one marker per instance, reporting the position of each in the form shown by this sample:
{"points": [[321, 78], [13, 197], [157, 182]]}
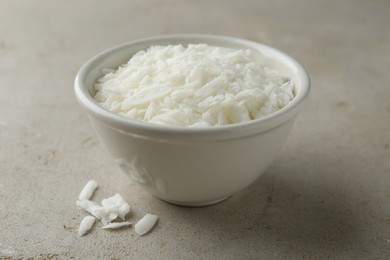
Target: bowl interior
{"points": [[114, 57]]}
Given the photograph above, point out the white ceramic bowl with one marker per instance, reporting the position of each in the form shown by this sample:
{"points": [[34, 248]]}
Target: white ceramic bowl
{"points": [[191, 166]]}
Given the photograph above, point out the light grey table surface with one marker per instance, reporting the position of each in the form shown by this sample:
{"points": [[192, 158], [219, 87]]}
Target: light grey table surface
{"points": [[326, 196]]}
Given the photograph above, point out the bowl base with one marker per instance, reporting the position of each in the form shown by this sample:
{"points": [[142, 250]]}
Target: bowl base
{"points": [[194, 204]]}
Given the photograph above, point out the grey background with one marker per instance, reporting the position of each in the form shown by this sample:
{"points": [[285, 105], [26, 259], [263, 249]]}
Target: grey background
{"points": [[326, 196]]}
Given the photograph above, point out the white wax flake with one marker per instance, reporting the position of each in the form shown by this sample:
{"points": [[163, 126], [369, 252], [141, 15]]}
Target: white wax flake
{"points": [[91, 207], [183, 86], [145, 224], [88, 190], [86, 225], [116, 225], [116, 204]]}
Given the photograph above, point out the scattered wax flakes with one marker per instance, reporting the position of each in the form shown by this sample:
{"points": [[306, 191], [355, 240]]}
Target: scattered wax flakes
{"points": [[111, 209]]}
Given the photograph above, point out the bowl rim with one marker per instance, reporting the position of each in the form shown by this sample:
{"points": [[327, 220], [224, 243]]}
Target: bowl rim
{"points": [[147, 129]]}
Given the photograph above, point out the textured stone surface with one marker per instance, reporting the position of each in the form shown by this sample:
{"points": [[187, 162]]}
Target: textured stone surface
{"points": [[326, 195]]}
